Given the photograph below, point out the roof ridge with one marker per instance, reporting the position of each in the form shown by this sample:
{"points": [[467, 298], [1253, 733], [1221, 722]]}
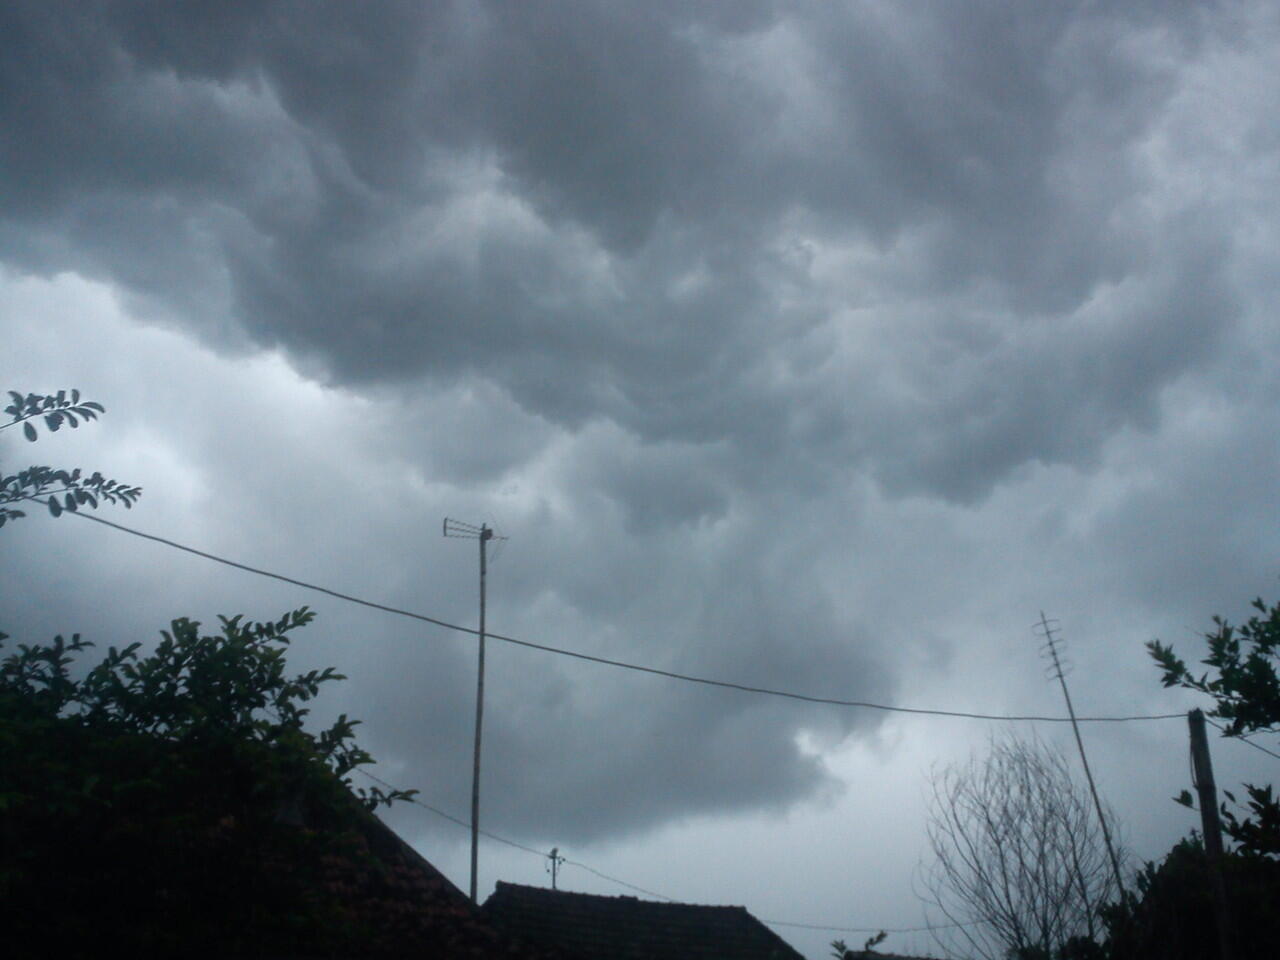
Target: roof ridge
{"points": [[624, 897], [592, 924]]}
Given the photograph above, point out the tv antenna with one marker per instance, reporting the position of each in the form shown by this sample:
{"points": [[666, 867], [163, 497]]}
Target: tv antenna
{"points": [[1048, 630], [460, 529], [554, 864]]}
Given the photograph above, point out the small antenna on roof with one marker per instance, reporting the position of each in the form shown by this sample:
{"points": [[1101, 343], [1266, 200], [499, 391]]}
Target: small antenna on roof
{"points": [[553, 867]]}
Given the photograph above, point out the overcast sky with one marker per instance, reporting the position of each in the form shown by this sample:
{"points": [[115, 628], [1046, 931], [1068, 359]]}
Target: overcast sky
{"points": [[817, 346]]}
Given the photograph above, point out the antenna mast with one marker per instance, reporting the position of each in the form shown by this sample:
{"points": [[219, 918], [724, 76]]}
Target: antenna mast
{"points": [[1050, 650], [467, 531]]}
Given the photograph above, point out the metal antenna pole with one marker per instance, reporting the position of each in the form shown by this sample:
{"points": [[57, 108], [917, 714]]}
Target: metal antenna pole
{"points": [[1051, 644], [483, 533]]}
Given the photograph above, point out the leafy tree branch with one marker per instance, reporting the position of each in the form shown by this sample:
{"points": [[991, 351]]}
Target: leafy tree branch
{"points": [[196, 691], [176, 802], [58, 489], [55, 408], [1244, 684]]}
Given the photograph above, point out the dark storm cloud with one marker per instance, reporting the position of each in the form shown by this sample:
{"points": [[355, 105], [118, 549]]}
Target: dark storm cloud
{"points": [[663, 751], [1039, 392], [578, 201]]}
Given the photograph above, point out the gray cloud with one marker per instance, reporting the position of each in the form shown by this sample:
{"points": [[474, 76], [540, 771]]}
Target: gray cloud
{"points": [[705, 302], [576, 202]]}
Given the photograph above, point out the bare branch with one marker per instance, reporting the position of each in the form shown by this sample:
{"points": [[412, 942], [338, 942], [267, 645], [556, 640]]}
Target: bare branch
{"points": [[1018, 854]]}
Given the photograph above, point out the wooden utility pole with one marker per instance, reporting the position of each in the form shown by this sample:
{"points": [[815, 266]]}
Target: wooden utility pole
{"points": [[1202, 774], [483, 533]]}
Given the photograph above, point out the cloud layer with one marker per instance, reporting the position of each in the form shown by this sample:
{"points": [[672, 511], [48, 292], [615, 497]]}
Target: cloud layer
{"points": [[791, 342]]}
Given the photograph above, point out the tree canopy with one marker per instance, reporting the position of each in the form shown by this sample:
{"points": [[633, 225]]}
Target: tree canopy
{"points": [[1171, 917], [176, 798], [1243, 682]]}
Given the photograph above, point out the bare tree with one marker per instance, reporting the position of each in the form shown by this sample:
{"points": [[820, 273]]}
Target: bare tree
{"points": [[1019, 867]]}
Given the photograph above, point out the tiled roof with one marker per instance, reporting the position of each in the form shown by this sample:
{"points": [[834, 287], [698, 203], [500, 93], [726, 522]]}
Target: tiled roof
{"points": [[590, 927], [404, 906], [412, 906]]}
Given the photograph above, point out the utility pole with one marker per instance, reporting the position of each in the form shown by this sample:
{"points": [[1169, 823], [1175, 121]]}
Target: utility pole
{"points": [[1051, 651], [1202, 780], [554, 866], [483, 533]]}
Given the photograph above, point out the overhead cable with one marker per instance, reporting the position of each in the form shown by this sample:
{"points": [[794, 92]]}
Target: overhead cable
{"points": [[651, 893], [450, 817], [622, 664], [1243, 739]]}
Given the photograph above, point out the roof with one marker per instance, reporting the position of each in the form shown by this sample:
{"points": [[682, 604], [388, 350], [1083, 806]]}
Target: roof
{"points": [[402, 905], [237, 875], [587, 927], [412, 905]]}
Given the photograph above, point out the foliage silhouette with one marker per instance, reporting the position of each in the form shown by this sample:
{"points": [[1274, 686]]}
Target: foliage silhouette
{"points": [[840, 950], [175, 800], [1171, 916], [57, 488], [1242, 680]]}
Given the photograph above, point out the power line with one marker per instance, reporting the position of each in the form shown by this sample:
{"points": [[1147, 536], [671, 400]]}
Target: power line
{"points": [[823, 926], [649, 893], [1243, 739], [622, 664], [519, 846], [458, 820], [622, 883]]}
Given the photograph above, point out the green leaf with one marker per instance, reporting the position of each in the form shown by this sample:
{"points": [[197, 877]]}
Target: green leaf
{"points": [[29, 431], [54, 507], [1184, 798]]}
